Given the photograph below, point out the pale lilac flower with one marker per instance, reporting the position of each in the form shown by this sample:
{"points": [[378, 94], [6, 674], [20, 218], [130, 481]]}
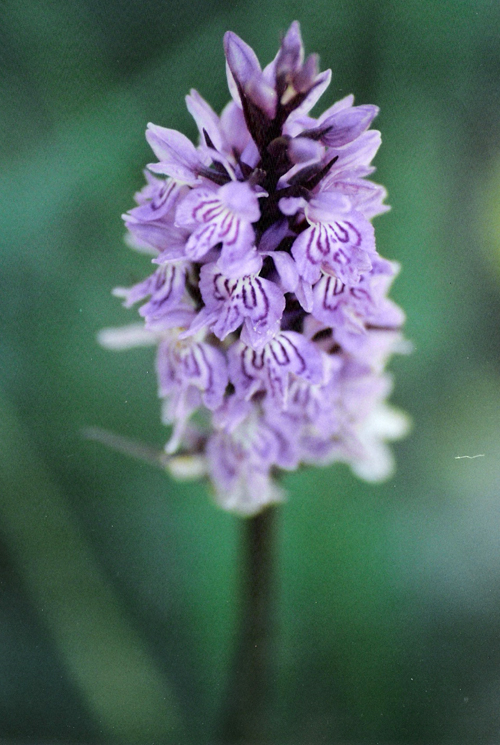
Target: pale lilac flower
{"points": [[166, 287], [223, 216], [268, 302], [229, 303], [339, 240], [191, 373], [289, 355]]}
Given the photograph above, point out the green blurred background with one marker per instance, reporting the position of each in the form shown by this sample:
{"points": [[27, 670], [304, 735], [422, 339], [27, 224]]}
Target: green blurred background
{"points": [[117, 586]]}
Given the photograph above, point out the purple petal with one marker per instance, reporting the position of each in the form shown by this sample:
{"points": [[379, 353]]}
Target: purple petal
{"points": [[206, 119], [291, 53], [166, 288], [241, 58], [242, 259], [178, 318], [302, 150], [234, 128], [304, 294], [166, 293], [243, 484], [250, 154], [229, 303], [347, 125], [264, 304], [189, 374], [336, 304], [340, 248], [141, 290], [357, 154], [225, 217], [182, 365], [269, 369], [197, 207], [206, 368], [344, 103], [177, 155], [327, 206], [321, 84], [241, 200], [273, 236], [262, 95], [305, 78], [365, 196], [245, 71], [287, 270], [160, 236], [156, 200]]}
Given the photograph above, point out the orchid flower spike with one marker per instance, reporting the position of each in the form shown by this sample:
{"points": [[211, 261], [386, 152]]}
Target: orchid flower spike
{"points": [[268, 301]]}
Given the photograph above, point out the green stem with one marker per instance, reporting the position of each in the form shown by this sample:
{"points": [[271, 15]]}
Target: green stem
{"points": [[247, 697]]}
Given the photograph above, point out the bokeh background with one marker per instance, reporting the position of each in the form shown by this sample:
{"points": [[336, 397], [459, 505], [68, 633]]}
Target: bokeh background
{"points": [[118, 587]]}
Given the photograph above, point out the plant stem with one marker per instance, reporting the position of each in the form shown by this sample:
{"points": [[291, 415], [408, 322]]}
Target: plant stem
{"points": [[245, 714]]}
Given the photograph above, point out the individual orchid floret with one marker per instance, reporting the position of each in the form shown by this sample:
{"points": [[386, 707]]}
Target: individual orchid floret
{"points": [[191, 373], [207, 121], [347, 125], [242, 481], [229, 303], [272, 368], [156, 201], [268, 301], [151, 224], [243, 450], [223, 216], [166, 288], [338, 241], [342, 127], [355, 306], [177, 156]]}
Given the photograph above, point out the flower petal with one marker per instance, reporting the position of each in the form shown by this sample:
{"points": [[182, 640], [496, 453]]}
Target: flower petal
{"points": [[347, 125], [229, 303], [245, 71], [206, 119], [269, 368], [177, 155]]}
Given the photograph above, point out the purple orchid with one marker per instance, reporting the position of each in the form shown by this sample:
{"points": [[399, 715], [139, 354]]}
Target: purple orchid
{"points": [[271, 368], [252, 300], [190, 373], [269, 301], [223, 216], [338, 240], [166, 288]]}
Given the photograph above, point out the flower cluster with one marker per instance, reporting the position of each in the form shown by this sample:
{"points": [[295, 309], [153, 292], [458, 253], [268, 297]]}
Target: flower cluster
{"points": [[268, 302]]}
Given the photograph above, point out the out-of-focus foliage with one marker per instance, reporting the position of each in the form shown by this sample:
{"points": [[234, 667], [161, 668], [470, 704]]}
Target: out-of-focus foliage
{"points": [[118, 586]]}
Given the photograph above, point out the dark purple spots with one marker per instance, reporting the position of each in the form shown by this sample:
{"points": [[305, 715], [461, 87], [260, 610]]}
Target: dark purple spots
{"points": [[299, 357], [257, 359], [274, 349], [249, 296], [340, 233], [356, 233]]}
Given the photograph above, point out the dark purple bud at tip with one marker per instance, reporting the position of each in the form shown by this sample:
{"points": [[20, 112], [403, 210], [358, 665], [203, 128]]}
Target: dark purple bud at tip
{"points": [[245, 69], [291, 54]]}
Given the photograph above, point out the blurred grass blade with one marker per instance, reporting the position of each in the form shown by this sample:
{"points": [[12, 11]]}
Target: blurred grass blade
{"points": [[118, 680]]}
